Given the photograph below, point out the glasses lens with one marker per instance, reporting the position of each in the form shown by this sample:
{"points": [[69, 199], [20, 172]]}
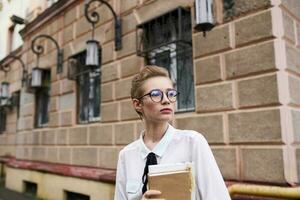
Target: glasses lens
{"points": [[172, 95], [156, 95]]}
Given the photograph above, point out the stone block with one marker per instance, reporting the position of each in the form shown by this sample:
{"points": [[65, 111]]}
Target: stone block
{"points": [[108, 52], [84, 156], [293, 6], [109, 112], [127, 111], [294, 88], [62, 137], [123, 88], [293, 60], [105, 32], [55, 88], [55, 25], [211, 127], [128, 41], [126, 5], [107, 91], [256, 126], [70, 16], [214, 98], [124, 133], [108, 157], [34, 138], [129, 23], [50, 45], [258, 91], [106, 14], [298, 33], [79, 44], [82, 26], [64, 155], [67, 102], [288, 26], [145, 12], [67, 86], [52, 154], [295, 124], [21, 138], [263, 164], [247, 61], [207, 70], [48, 137], [215, 41], [226, 160], [101, 135], [78, 136], [110, 72], [68, 34], [39, 153], [53, 104], [298, 163], [53, 119], [66, 118], [253, 28], [130, 65], [241, 7]]}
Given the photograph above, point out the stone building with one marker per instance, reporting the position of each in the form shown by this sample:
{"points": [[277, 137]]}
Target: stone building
{"points": [[240, 87]]}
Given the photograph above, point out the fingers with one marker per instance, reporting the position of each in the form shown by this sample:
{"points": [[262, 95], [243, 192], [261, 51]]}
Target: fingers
{"points": [[152, 194]]}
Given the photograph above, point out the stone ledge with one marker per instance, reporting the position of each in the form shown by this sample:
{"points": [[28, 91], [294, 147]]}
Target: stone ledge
{"points": [[90, 173]]}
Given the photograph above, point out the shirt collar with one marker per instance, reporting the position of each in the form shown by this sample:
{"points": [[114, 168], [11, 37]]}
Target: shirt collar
{"points": [[161, 146]]}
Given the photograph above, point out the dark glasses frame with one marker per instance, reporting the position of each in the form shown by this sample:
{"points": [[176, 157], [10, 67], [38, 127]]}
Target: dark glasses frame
{"points": [[162, 95]]}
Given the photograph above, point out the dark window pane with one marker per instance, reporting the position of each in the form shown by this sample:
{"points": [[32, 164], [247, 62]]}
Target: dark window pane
{"points": [[76, 196], [42, 98], [167, 42], [2, 121], [88, 90]]}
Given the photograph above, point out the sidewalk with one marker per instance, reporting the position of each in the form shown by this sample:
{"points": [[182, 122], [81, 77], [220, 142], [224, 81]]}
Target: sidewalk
{"points": [[6, 194]]}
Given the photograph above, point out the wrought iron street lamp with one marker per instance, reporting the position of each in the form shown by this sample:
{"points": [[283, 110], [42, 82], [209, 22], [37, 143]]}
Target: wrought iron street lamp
{"points": [[204, 15], [39, 49], [93, 46]]}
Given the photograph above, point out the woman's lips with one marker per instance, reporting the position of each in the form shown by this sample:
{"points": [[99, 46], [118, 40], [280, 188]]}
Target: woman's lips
{"points": [[166, 110]]}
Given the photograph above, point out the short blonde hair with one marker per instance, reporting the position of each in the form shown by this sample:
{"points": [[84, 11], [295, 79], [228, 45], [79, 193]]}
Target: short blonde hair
{"points": [[147, 72]]}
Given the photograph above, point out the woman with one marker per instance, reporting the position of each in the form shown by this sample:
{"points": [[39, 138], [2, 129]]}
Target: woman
{"points": [[154, 98]]}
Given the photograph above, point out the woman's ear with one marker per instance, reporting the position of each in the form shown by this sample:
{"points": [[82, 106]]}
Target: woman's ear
{"points": [[137, 105]]}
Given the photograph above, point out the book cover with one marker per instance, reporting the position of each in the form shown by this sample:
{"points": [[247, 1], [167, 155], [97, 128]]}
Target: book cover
{"points": [[175, 181]]}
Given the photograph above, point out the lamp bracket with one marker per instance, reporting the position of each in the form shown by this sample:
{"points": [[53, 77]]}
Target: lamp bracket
{"points": [[94, 18], [39, 49]]}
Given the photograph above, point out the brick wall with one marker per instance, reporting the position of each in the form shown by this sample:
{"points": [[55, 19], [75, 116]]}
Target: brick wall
{"points": [[247, 83]]}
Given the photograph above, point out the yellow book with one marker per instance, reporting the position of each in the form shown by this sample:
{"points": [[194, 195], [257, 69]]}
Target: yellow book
{"points": [[175, 181]]}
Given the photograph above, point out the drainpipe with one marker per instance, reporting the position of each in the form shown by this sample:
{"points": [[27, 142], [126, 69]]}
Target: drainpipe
{"points": [[265, 191]]}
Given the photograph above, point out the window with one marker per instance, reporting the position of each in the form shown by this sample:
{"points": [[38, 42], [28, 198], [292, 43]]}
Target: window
{"points": [[166, 41], [42, 97], [76, 196], [30, 188], [2, 120], [88, 89]]}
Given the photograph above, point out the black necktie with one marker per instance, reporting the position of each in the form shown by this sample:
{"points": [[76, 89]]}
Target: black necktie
{"points": [[151, 160]]}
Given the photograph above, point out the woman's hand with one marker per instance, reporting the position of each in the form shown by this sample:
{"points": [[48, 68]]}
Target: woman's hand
{"points": [[151, 194]]}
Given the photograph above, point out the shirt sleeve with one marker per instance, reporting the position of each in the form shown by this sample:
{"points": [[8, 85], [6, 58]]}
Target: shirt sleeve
{"points": [[120, 188], [207, 174]]}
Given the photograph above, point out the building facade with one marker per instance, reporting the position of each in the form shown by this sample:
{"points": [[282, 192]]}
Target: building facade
{"points": [[239, 84]]}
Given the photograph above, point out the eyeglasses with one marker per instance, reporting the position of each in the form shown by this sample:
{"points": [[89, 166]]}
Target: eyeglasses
{"points": [[157, 95]]}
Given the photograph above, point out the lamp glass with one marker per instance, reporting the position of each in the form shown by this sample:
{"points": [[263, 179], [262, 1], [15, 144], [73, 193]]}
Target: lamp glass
{"points": [[92, 57], [4, 90], [36, 80]]}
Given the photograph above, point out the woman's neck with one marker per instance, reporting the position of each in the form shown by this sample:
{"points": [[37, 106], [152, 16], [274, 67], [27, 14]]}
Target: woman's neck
{"points": [[153, 133]]}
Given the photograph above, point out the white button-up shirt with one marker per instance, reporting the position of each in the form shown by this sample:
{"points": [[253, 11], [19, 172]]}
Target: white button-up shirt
{"points": [[176, 146]]}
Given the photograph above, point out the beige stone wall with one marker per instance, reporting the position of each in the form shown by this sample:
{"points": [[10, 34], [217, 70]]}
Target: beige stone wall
{"points": [[54, 187], [247, 83]]}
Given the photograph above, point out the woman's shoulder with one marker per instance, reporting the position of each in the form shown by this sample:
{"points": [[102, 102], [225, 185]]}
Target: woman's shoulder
{"points": [[133, 146]]}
